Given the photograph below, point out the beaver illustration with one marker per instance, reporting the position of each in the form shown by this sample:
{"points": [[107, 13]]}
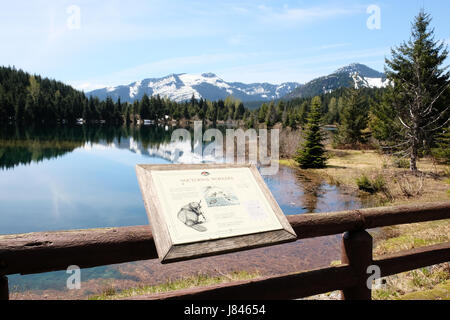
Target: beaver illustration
{"points": [[192, 216]]}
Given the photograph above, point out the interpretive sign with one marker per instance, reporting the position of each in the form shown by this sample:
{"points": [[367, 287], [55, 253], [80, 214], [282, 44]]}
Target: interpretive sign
{"points": [[204, 209]]}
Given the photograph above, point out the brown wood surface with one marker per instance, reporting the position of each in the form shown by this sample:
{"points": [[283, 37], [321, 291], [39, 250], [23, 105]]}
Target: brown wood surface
{"points": [[4, 291], [311, 282], [226, 245], [291, 286], [50, 251], [356, 251], [315, 225], [413, 259], [158, 224], [168, 252]]}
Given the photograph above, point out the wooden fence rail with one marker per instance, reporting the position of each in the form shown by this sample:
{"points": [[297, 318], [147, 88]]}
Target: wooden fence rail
{"points": [[50, 251]]}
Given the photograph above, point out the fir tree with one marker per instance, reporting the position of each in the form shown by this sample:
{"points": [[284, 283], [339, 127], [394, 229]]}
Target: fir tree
{"points": [[353, 119], [262, 112], [144, 108], [333, 115], [420, 87], [442, 150], [271, 115], [312, 152], [383, 121]]}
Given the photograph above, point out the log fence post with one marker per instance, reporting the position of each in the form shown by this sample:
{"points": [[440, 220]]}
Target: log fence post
{"points": [[4, 290], [356, 251]]}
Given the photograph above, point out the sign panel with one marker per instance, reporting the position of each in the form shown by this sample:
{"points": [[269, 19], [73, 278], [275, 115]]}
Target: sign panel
{"points": [[199, 210]]}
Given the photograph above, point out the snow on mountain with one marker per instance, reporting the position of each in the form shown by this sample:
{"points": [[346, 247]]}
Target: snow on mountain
{"points": [[181, 87], [354, 75]]}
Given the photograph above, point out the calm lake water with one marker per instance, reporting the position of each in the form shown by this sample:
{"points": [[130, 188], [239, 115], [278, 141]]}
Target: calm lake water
{"points": [[84, 177]]}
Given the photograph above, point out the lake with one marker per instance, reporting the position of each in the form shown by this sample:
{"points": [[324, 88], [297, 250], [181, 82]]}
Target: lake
{"points": [[61, 178]]}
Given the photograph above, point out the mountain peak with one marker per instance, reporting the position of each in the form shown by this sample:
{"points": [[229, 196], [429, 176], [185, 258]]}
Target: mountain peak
{"points": [[181, 87], [355, 75], [361, 70]]}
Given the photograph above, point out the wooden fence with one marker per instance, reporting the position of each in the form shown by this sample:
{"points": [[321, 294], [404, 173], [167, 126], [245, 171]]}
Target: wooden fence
{"points": [[50, 251]]}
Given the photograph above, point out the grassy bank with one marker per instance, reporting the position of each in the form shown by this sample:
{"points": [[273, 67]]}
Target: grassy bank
{"points": [[396, 186], [199, 280], [432, 282]]}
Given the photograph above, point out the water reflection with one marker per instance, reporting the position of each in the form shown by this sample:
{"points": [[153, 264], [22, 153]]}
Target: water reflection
{"points": [[300, 192], [20, 145]]}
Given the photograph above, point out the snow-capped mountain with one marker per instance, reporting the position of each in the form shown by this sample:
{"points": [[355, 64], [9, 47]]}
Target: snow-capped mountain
{"points": [[181, 87], [354, 75]]}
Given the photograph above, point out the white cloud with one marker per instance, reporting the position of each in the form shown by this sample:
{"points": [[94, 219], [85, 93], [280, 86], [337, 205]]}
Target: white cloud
{"points": [[291, 16], [87, 86], [237, 39], [240, 10]]}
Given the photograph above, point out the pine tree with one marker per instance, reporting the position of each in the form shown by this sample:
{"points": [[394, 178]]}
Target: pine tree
{"points": [[332, 115], [442, 150], [271, 115], [144, 108], [383, 121], [292, 120], [312, 152], [353, 119], [3, 113], [239, 110], [302, 114], [262, 112], [211, 112], [420, 87]]}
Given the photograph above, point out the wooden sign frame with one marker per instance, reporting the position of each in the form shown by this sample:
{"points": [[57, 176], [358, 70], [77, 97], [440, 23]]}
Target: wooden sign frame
{"points": [[170, 250]]}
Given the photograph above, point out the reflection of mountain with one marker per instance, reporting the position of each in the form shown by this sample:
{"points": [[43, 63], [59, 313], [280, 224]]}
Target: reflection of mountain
{"points": [[24, 146], [176, 152]]}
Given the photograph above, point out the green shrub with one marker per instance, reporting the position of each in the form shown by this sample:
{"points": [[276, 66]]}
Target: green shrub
{"points": [[371, 185], [401, 163], [442, 150]]}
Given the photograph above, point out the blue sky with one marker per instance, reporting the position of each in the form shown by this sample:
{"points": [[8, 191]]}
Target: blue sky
{"points": [[118, 42]]}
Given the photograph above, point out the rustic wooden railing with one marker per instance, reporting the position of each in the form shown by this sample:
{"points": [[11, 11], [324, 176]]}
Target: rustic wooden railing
{"points": [[51, 251]]}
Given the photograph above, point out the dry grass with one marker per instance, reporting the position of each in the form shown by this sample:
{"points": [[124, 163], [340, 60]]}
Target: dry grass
{"points": [[409, 236], [402, 187], [430, 283], [200, 280], [346, 166]]}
